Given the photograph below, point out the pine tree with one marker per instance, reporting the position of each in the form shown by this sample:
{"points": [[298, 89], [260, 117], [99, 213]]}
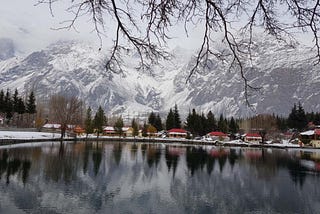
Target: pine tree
{"points": [[145, 130], [302, 119], [118, 126], [152, 119], [2, 103], [211, 122], [233, 126], [21, 109], [15, 101], [99, 121], [222, 125], [88, 123], [195, 123], [31, 104], [177, 121], [135, 127], [8, 106], [158, 123], [297, 118], [170, 122]]}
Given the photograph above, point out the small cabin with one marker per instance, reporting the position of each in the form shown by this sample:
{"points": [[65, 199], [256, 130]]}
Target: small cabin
{"points": [[253, 138], [311, 137], [177, 133], [218, 136], [111, 132]]}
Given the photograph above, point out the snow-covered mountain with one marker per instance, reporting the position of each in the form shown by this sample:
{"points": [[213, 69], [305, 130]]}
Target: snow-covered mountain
{"points": [[6, 48], [285, 74]]}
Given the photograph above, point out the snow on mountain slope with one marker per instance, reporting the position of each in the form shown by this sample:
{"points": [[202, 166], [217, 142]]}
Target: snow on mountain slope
{"points": [[285, 74]]}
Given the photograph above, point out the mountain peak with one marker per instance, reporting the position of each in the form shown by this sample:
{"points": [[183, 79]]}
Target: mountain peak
{"points": [[7, 49]]}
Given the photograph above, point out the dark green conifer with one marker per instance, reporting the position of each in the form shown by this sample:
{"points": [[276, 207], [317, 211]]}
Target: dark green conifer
{"points": [[170, 122], [99, 121], [31, 104]]}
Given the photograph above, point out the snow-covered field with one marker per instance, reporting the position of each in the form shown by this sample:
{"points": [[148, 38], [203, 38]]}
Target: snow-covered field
{"points": [[27, 135]]}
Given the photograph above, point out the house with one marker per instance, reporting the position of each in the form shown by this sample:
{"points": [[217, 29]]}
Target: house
{"points": [[177, 133], [110, 131], [252, 138], [311, 137], [1, 120], [51, 126], [78, 130], [218, 136]]}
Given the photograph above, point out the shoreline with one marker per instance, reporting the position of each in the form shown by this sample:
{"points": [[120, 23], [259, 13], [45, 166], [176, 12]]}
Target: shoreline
{"points": [[13, 141]]}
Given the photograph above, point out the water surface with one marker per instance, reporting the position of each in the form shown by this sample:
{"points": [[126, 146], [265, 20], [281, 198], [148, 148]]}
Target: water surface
{"points": [[103, 177]]}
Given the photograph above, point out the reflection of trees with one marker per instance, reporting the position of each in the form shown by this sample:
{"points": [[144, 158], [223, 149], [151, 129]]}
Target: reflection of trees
{"points": [[153, 155], [143, 150], [117, 152], [297, 172], [96, 157], [134, 150], [171, 160], [3, 162], [26, 165], [210, 164], [62, 166], [222, 159], [232, 157], [196, 158], [12, 166], [266, 164], [86, 152]]}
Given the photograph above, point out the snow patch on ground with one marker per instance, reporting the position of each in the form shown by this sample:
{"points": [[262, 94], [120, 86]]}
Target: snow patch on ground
{"points": [[27, 135]]}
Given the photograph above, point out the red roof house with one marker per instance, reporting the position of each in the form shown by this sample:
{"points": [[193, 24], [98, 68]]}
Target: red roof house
{"points": [[177, 133], [218, 136], [253, 138]]}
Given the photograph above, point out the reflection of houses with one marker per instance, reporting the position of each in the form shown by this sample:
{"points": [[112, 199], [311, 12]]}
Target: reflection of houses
{"points": [[252, 138], [177, 133], [218, 136], [311, 137]]}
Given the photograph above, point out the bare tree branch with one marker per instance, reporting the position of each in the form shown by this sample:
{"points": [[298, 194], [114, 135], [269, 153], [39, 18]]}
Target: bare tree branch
{"points": [[145, 24]]}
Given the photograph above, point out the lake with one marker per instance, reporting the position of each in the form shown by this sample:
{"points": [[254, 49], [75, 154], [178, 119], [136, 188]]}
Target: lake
{"points": [[102, 177]]}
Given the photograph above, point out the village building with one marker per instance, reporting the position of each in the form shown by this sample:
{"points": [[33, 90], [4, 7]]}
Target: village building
{"points": [[252, 138], [111, 132], [311, 137], [177, 133], [218, 136], [78, 130]]}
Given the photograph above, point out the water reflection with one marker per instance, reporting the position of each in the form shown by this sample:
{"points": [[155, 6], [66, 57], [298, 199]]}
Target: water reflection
{"points": [[153, 178], [11, 164]]}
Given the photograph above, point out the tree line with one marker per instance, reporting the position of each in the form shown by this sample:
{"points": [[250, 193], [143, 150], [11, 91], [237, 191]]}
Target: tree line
{"points": [[16, 109], [20, 110]]}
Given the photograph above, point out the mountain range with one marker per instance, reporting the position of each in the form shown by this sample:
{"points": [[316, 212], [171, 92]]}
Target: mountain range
{"points": [[286, 75]]}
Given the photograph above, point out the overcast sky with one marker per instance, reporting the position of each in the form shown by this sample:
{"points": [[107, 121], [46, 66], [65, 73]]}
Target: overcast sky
{"points": [[32, 27]]}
